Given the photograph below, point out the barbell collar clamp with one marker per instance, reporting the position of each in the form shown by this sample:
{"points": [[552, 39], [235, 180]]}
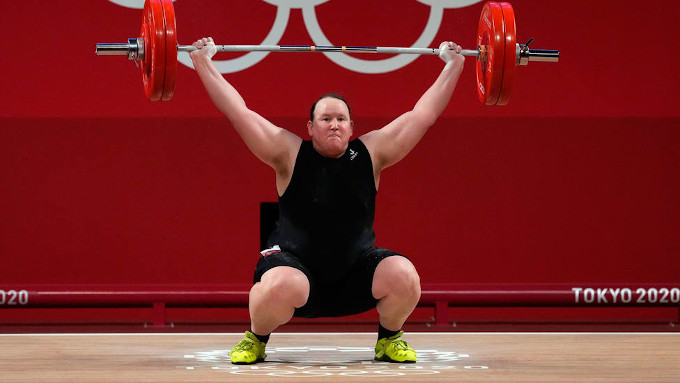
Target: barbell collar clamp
{"points": [[524, 55], [134, 49]]}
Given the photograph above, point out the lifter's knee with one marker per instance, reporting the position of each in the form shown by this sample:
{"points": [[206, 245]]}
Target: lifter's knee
{"points": [[283, 284], [398, 277]]}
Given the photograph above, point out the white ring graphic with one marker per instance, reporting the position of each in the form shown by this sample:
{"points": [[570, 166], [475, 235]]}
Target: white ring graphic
{"points": [[251, 58], [448, 3], [295, 4], [373, 66], [314, 29], [386, 65], [135, 4]]}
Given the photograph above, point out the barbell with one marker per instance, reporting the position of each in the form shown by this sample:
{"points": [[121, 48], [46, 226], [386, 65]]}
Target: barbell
{"points": [[497, 53]]}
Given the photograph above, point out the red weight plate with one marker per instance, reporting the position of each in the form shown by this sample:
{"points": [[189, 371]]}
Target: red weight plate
{"points": [[510, 60], [170, 51], [490, 35], [153, 33], [145, 64]]}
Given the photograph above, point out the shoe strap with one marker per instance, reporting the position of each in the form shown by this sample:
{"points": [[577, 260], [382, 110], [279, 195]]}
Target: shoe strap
{"points": [[400, 344], [247, 343]]}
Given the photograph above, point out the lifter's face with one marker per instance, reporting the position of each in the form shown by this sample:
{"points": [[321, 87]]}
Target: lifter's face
{"points": [[331, 128]]}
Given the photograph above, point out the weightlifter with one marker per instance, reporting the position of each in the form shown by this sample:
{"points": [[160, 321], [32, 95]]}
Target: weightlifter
{"points": [[321, 260]]}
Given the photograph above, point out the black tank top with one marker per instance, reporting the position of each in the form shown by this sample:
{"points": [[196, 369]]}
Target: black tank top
{"points": [[326, 213]]}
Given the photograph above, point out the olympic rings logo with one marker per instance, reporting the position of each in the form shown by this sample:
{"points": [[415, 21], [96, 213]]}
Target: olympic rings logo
{"points": [[316, 33]]}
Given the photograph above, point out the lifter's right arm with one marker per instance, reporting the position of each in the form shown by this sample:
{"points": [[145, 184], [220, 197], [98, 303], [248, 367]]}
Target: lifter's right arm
{"points": [[271, 144]]}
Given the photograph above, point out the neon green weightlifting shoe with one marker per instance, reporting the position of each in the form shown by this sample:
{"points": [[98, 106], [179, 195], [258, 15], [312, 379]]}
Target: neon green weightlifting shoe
{"points": [[394, 349], [248, 351]]}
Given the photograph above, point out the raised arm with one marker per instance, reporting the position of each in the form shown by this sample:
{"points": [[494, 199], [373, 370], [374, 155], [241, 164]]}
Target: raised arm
{"points": [[394, 141], [271, 144]]}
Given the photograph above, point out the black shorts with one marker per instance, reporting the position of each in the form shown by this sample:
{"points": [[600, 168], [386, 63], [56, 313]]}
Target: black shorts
{"points": [[351, 295]]}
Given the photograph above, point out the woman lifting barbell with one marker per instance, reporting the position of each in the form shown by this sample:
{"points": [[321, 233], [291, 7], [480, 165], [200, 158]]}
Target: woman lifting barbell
{"points": [[322, 259]]}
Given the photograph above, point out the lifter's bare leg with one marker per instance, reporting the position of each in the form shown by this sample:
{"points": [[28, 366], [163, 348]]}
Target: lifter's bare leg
{"points": [[272, 303], [396, 285], [274, 299]]}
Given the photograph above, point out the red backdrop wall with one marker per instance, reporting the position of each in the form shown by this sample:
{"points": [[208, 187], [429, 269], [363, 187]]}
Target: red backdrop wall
{"points": [[576, 180]]}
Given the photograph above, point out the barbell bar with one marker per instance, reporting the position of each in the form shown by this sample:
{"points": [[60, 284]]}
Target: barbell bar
{"points": [[497, 53], [134, 49]]}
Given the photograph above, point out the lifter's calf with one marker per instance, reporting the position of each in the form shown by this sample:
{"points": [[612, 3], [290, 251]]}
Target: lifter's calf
{"points": [[274, 299], [396, 285]]}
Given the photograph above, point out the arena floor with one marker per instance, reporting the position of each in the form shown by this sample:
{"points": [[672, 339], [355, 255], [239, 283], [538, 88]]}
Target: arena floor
{"points": [[343, 357]]}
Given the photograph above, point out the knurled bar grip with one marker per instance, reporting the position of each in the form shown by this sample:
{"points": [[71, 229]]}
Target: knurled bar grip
{"points": [[326, 48]]}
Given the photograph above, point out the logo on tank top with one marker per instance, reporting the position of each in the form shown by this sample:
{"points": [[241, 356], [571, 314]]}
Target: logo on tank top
{"points": [[352, 154]]}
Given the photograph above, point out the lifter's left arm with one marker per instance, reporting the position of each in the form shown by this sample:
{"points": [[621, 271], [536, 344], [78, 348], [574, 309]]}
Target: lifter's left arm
{"points": [[393, 142]]}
